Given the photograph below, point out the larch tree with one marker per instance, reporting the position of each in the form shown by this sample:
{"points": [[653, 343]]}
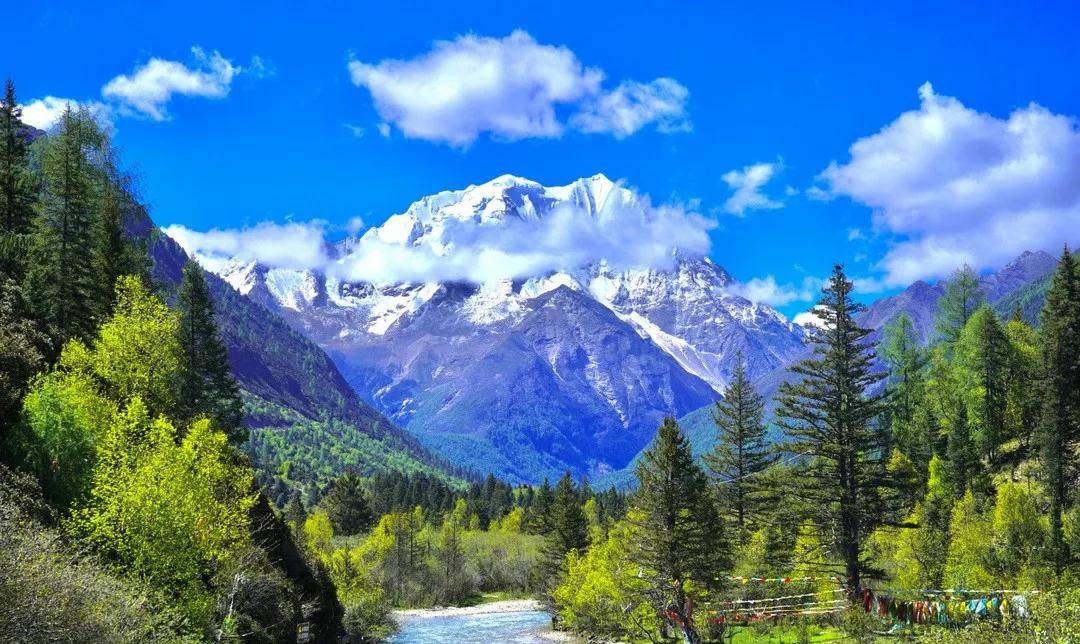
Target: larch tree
{"points": [[963, 296], [742, 451], [1059, 429], [205, 385], [680, 543], [829, 418]]}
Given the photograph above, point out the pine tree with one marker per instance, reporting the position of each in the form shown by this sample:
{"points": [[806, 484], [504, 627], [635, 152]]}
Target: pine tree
{"points": [[1059, 430], [963, 296], [347, 505], [17, 191], [205, 385], [964, 467], [569, 525], [742, 452], [829, 418], [541, 511], [60, 280], [681, 537]]}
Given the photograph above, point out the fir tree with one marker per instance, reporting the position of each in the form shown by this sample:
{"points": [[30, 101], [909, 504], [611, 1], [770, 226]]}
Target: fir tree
{"points": [[17, 191], [829, 418], [742, 451], [964, 467], [1059, 430], [681, 538], [205, 385], [347, 505], [963, 296], [541, 511], [989, 363], [569, 529], [61, 283], [114, 253]]}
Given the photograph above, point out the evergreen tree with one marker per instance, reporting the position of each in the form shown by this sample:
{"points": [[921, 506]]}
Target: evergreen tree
{"points": [[17, 191], [114, 253], [347, 505], [828, 417], [294, 511], [681, 538], [23, 348], [61, 282], [205, 385], [981, 360], [742, 451], [569, 525], [963, 296], [541, 514], [1059, 429], [906, 386]]}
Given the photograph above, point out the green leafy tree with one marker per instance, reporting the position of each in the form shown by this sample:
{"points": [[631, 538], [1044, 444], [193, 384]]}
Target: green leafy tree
{"points": [[829, 418], [1059, 430], [981, 358], [17, 190], [963, 296], [921, 552], [967, 564], [61, 282], [347, 505], [680, 538], [906, 385], [1022, 394], [742, 451], [205, 384], [171, 511]]}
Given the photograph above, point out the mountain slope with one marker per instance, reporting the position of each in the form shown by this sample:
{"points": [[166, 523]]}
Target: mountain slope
{"points": [[572, 368], [287, 381]]}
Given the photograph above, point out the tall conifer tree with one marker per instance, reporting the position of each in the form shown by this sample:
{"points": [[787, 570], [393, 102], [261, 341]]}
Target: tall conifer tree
{"points": [[829, 418], [569, 525], [1059, 430], [742, 452], [205, 385], [680, 536], [17, 192], [963, 296], [61, 283]]}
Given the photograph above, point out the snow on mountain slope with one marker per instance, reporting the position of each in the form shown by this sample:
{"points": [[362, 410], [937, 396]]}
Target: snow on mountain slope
{"points": [[429, 351]]}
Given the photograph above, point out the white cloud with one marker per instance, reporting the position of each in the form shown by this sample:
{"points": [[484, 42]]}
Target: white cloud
{"points": [[288, 245], [747, 184], [854, 234], [632, 106], [354, 225], [150, 87], [384, 130], [954, 185], [356, 130], [816, 193], [511, 88], [809, 319], [627, 233], [43, 113], [768, 291]]}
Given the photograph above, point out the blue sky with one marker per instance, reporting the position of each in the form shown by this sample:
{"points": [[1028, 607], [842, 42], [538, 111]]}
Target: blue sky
{"points": [[272, 135]]}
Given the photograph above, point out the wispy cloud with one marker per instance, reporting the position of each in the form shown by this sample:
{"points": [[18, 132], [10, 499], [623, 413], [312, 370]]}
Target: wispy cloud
{"points": [[747, 185], [149, 89], [512, 88], [768, 291]]}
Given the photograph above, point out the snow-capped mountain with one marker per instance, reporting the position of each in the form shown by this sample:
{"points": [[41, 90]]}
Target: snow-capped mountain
{"points": [[525, 376]]}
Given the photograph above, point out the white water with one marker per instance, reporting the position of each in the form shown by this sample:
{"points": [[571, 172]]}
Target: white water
{"points": [[511, 622]]}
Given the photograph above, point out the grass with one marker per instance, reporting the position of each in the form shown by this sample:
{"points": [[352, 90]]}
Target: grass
{"points": [[788, 635]]}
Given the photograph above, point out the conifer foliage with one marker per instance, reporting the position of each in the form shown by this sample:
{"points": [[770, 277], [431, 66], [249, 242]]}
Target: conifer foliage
{"points": [[205, 385], [742, 452], [1059, 432], [829, 418]]}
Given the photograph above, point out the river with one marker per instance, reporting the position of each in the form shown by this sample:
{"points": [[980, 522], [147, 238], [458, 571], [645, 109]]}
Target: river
{"points": [[514, 622]]}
